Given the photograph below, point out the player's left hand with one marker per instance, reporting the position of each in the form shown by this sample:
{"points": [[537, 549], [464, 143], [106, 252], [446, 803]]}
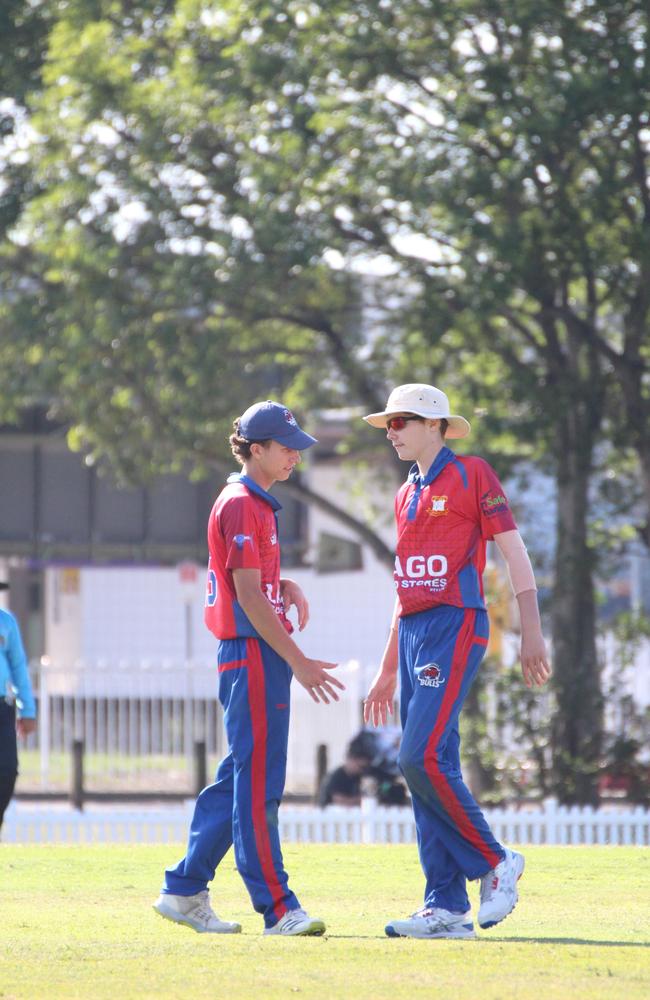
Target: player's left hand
{"points": [[535, 663], [291, 593]]}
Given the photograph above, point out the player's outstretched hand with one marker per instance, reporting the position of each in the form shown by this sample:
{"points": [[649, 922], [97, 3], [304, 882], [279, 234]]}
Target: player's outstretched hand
{"points": [[314, 677], [291, 593], [379, 703], [535, 663]]}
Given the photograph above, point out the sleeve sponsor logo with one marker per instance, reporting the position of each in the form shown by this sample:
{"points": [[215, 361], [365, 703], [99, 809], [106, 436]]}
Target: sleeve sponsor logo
{"points": [[240, 540], [430, 675], [493, 503], [438, 506]]}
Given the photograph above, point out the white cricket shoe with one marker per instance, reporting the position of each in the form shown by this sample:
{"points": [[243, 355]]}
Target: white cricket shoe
{"points": [[195, 912], [433, 922], [296, 922], [499, 889]]}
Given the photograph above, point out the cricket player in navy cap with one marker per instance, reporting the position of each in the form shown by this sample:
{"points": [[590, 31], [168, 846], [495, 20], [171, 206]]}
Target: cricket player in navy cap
{"points": [[446, 511], [246, 610]]}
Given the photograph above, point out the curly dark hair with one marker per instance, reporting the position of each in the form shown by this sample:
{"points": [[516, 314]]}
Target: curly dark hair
{"points": [[241, 446]]}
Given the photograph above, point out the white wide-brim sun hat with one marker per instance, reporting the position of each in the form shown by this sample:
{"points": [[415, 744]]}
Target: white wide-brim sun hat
{"points": [[423, 401]]}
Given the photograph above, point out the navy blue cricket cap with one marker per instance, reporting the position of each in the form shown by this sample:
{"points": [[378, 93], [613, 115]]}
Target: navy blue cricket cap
{"points": [[269, 421]]}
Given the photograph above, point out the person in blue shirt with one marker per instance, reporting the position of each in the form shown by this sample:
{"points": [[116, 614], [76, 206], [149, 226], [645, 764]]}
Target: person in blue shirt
{"points": [[17, 706]]}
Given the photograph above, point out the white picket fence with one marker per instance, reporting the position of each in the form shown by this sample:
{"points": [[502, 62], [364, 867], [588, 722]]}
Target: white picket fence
{"points": [[368, 824]]}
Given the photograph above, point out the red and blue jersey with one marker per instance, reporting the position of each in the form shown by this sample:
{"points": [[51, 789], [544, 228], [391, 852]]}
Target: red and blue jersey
{"points": [[242, 534], [444, 520]]}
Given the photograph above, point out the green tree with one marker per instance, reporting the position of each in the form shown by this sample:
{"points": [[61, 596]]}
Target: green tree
{"points": [[24, 33]]}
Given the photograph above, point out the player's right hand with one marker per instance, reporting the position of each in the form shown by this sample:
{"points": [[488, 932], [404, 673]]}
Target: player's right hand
{"points": [[314, 677], [379, 703]]}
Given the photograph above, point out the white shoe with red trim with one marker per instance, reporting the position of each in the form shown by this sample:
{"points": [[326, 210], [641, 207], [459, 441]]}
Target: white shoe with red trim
{"points": [[297, 922], [499, 889]]}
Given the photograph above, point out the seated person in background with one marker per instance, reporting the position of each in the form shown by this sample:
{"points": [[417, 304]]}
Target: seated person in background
{"points": [[381, 747], [342, 786]]}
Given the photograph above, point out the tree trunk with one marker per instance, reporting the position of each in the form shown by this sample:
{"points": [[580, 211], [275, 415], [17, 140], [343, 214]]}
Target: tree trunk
{"points": [[643, 451], [637, 413], [577, 728]]}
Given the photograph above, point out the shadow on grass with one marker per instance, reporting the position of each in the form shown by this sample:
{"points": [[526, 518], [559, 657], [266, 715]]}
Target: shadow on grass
{"points": [[499, 940], [569, 940]]}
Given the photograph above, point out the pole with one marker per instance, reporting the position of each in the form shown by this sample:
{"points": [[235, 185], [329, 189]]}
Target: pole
{"points": [[200, 766], [321, 766], [77, 785]]}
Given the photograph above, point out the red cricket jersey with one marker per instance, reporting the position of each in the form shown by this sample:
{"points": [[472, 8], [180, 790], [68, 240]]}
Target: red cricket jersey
{"points": [[242, 534], [443, 523]]}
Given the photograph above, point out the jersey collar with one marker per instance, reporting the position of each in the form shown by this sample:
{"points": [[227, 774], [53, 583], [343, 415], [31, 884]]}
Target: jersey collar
{"points": [[443, 458], [250, 484]]}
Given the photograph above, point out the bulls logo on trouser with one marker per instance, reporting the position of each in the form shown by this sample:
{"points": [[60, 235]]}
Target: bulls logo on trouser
{"points": [[440, 651], [241, 807]]}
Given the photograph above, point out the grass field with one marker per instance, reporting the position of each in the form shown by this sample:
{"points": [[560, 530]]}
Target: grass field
{"points": [[77, 922]]}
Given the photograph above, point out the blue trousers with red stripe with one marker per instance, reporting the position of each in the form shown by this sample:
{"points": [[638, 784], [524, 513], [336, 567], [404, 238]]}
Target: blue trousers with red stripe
{"points": [[440, 651], [241, 807]]}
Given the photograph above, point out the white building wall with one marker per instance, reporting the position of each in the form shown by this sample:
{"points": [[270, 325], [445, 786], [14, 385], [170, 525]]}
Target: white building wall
{"points": [[64, 611], [147, 613], [141, 612]]}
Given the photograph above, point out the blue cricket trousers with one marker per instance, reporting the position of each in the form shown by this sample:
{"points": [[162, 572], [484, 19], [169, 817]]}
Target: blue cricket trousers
{"points": [[241, 807], [440, 651]]}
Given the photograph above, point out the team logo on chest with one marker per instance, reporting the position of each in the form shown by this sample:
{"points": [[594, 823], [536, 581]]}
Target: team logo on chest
{"points": [[438, 506], [430, 676]]}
